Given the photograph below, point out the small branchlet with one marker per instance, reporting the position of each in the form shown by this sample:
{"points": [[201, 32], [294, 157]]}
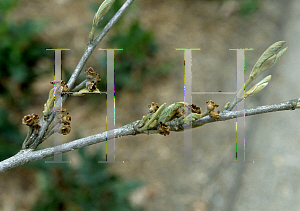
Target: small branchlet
{"points": [[50, 102], [157, 117], [265, 61], [104, 7], [92, 79]]}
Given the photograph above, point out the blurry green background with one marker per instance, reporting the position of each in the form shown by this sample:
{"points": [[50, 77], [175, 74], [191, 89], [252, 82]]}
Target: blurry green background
{"points": [[146, 71]]}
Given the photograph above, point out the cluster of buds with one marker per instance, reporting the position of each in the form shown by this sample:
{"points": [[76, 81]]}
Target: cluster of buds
{"points": [[65, 128], [32, 121], [93, 78], [164, 129], [210, 107]]}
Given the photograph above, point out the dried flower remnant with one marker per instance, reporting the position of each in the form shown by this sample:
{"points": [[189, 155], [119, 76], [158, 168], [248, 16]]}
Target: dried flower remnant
{"points": [[164, 129], [211, 105], [153, 107], [31, 121], [195, 109], [214, 115], [93, 78], [27, 120], [65, 128]]}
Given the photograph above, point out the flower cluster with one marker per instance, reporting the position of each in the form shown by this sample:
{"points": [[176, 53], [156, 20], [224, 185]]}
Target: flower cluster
{"points": [[164, 129], [65, 128], [210, 107], [93, 78], [195, 109], [32, 120]]}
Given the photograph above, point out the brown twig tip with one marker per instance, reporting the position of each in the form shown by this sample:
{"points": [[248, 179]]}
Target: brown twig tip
{"points": [[164, 129], [153, 107], [195, 109], [211, 105]]}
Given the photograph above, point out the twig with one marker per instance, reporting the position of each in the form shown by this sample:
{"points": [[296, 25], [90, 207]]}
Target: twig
{"points": [[80, 86], [92, 45], [87, 53], [27, 156]]}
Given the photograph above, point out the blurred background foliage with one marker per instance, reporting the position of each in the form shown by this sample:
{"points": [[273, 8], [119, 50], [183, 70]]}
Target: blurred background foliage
{"points": [[246, 7], [20, 50], [62, 187], [89, 187], [137, 62]]}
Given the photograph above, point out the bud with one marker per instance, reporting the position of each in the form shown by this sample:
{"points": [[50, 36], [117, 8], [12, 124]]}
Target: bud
{"points": [[259, 86], [171, 111], [226, 105], [268, 59]]}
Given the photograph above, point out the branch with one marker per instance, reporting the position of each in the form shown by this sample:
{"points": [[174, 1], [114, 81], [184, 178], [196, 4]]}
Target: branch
{"points": [[27, 156], [91, 45]]}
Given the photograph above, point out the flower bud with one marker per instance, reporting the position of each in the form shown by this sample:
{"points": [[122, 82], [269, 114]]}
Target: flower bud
{"points": [[258, 87]]}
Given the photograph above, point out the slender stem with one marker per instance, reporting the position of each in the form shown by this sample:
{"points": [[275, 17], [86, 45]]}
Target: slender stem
{"points": [[49, 133], [80, 86], [92, 44], [87, 53], [26, 156]]}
